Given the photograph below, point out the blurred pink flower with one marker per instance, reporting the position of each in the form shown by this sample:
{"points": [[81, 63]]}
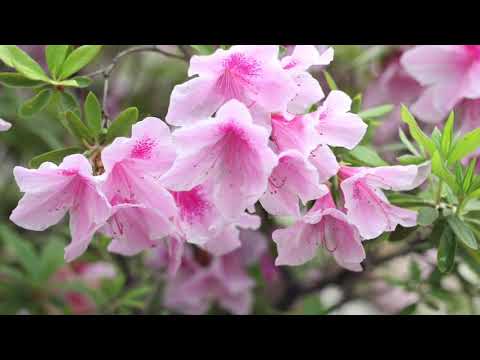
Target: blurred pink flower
{"points": [[91, 275], [394, 86], [450, 73], [5, 125]]}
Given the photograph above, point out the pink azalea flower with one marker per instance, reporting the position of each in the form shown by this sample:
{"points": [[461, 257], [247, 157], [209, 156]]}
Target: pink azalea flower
{"points": [[451, 73], [5, 125], [393, 86], [51, 191], [366, 204], [290, 132], [336, 125], [251, 74], [143, 210], [324, 225], [292, 179], [228, 239], [309, 90], [231, 151], [197, 285], [169, 256]]}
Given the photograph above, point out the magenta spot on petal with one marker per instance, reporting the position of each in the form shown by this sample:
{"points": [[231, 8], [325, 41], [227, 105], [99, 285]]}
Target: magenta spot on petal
{"points": [[474, 51], [291, 64], [143, 149], [192, 203], [69, 172], [239, 72]]}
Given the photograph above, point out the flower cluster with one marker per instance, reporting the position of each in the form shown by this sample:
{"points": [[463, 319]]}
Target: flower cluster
{"points": [[249, 128]]}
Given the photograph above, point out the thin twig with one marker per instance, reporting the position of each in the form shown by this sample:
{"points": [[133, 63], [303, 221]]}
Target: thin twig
{"points": [[107, 70]]}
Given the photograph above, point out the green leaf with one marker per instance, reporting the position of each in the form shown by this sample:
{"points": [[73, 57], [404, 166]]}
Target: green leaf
{"points": [[68, 102], [78, 81], [368, 156], [55, 55], [407, 143], [439, 169], [410, 159], [465, 146], [469, 175], [79, 129], [5, 55], [12, 79], [51, 259], [416, 132], [447, 134], [78, 59], [25, 64], [462, 232], [24, 250], [35, 104], [446, 251], [122, 125], [427, 216], [408, 310], [55, 156], [93, 113], [357, 103], [331, 83], [376, 112], [436, 136], [204, 49]]}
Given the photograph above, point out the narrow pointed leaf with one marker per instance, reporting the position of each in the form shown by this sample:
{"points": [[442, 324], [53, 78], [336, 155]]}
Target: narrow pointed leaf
{"points": [[55, 55], [93, 113]]}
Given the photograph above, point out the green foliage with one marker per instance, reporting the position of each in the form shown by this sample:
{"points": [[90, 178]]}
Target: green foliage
{"points": [[204, 49], [122, 125]]}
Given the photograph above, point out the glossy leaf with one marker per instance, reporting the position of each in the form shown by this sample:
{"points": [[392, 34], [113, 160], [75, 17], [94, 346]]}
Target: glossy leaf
{"points": [[78, 59], [36, 103], [93, 113], [416, 132], [55, 156], [12, 79], [462, 232], [122, 125], [446, 250], [55, 55]]}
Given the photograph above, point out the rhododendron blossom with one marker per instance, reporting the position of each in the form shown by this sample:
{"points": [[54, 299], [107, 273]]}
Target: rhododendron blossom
{"points": [[222, 280], [324, 225], [309, 90], [143, 210], [5, 125], [292, 179], [336, 125], [450, 74], [366, 204], [251, 74], [51, 191], [231, 151]]}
